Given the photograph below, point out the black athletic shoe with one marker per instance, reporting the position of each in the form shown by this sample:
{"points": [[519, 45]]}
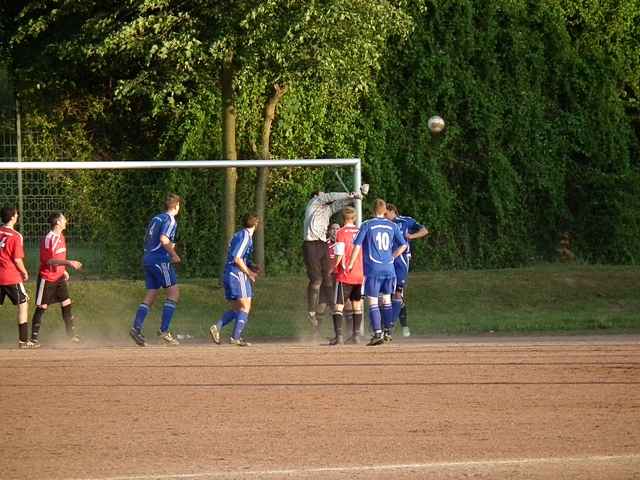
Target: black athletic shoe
{"points": [[137, 337], [337, 340], [387, 336], [377, 339]]}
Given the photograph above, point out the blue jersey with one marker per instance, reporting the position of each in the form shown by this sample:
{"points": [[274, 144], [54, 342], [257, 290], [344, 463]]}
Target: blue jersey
{"points": [[407, 225], [379, 238], [241, 245], [154, 252]]}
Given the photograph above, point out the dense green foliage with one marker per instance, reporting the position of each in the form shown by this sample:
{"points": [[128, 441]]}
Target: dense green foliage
{"points": [[540, 100]]}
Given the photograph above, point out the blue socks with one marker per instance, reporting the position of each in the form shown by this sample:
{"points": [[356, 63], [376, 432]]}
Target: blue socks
{"points": [[168, 310], [227, 317], [374, 318], [141, 314], [241, 321], [396, 305], [387, 315]]}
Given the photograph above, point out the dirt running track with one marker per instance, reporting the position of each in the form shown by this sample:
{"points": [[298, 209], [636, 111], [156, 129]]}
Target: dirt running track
{"points": [[468, 409]]}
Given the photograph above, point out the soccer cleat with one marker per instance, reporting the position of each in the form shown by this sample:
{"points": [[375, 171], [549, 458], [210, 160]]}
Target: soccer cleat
{"points": [[406, 332], [28, 344], [168, 339], [241, 342], [387, 336], [337, 340], [214, 334], [75, 339], [353, 340], [35, 343], [138, 337], [377, 339]]}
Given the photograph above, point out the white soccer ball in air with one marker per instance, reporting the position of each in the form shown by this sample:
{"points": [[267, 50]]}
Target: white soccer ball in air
{"points": [[436, 124]]}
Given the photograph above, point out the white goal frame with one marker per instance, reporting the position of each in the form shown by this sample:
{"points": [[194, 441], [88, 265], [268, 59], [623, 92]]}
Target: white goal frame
{"points": [[356, 163]]}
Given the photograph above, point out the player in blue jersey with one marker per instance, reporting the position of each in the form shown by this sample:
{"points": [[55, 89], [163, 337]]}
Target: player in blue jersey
{"points": [[239, 273], [159, 259], [411, 230], [377, 239]]}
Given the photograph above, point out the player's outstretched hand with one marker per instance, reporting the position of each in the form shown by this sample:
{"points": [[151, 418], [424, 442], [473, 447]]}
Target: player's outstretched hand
{"points": [[364, 188], [75, 264]]}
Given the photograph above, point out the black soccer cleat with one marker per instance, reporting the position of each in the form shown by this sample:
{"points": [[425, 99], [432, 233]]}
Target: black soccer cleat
{"points": [[377, 339], [137, 337], [337, 340]]}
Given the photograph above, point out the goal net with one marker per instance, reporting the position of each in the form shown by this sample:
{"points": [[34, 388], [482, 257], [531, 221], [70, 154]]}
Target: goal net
{"points": [[108, 206]]}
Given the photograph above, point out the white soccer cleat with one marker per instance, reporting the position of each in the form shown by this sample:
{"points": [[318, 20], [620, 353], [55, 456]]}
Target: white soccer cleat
{"points": [[214, 334], [406, 332]]}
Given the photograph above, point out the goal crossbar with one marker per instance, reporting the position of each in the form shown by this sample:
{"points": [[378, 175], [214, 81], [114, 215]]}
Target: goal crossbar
{"points": [[356, 163]]}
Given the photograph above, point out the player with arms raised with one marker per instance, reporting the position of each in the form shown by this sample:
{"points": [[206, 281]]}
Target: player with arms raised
{"points": [[53, 276], [159, 259], [239, 273], [411, 230], [348, 282], [13, 273], [376, 240]]}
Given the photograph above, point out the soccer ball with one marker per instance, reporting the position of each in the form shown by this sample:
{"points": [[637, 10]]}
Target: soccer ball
{"points": [[436, 124]]}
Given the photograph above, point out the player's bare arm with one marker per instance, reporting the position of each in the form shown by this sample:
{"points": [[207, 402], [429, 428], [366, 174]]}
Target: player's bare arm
{"points": [[243, 266], [399, 251], [354, 256], [75, 264], [20, 264], [170, 247], [423, 232]]}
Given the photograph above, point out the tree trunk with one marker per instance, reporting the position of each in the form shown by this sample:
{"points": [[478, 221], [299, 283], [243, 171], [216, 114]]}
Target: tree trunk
{"points": [[230, 152], [262, 179]]}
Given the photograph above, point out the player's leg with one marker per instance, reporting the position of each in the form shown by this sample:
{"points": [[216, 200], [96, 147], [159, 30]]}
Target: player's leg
{"points": [[170, 284], [232, 291], [372, 290], [153, 283], [355, 299], [62, 296], [387, 288], [242, 307], [338, 307], [406, 332], [313, 254], [18, 296], [44, 291]]}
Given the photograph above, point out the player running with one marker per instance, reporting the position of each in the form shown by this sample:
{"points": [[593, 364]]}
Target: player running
{"points": [[239, 273], [411, 230], [13, 273], [52, 284], [348, 287], [376, 239], [159, 259]]}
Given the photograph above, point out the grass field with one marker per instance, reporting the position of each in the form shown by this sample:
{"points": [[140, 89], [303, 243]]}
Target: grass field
{"points": [[548, 298]]}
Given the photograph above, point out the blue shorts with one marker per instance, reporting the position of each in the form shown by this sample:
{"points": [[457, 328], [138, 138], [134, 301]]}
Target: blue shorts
{"points": [[380, 284], [237, 285], [160, 275], [401, 266]]}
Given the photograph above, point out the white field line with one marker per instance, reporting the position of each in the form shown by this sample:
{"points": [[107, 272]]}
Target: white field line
{"points": [[374, 468]]}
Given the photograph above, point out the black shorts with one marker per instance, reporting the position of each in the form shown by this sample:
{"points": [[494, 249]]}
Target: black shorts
{"points": [[316, 260], [48, 292], [347, 291], [16, 293]]}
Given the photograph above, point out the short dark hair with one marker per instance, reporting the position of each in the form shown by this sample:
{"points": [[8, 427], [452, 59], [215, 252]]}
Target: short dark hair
{"points": [[250, 220], [7, 213], [393, 208], [54, 217], [171, 201]]}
